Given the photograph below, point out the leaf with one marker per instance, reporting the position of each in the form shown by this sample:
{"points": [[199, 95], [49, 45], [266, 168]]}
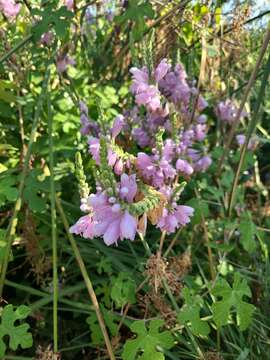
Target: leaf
{"points": [[111, 322], [147, 341], [34, 190], [8, 191], [200, 209], [123, 290], [137, 12], [7, 96], [190, 313], [247, 231], [232, 298], [18, 335], [50, 17]]}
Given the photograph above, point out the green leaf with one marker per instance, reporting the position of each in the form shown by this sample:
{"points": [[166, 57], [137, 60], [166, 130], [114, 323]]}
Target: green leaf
{"points": [[34, 191], [7, 96], [190, 313], [200, 209], [137, 12], [147, 341], [248, 231], [59, 19], [18, 335], [232, 298], [123, 290], [8, 191], [111, 322]]}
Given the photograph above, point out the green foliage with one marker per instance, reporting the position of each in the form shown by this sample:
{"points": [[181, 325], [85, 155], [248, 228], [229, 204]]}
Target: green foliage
{"points": [[18, 334], [8, 190], [138, 11], [123, 290], [200, 209], [190, 313], [232, 298], [36, 185], [58, 19], [110, 321], [2, 244], [147, 342], [248, 231]]}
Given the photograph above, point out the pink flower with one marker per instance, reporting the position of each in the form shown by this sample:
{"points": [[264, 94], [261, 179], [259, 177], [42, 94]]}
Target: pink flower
{"points": [[9, 8], [155, 169], [200, 131], [47, 38], [240, 139], [203, 163], [161, 70], [251, 144], [117, 125], [141, 137], [94, 147], [112, 222], [226, 111], [118, 167], [184, 167], [145, 94], [128, 187], [84, 227], [62, 63], [175, 218], [69, 4]]}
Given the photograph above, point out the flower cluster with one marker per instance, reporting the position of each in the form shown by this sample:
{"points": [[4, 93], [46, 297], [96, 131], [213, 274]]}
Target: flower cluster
{"points": [[227, 110], [166, 131], [9, 8]]}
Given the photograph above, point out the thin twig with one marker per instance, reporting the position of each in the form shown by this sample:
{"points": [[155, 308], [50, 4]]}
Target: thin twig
{"points": [[87, 279]]}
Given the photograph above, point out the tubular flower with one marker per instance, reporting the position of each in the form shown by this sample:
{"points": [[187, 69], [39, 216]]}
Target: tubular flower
{"points": [[175, 218]]}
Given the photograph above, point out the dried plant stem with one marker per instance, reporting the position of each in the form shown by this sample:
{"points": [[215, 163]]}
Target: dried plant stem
{"points": [[87, 279], [54, 234], [244, 99], [173, 301], [172, 242], [249, 132], [14, 219], [162, 238]]}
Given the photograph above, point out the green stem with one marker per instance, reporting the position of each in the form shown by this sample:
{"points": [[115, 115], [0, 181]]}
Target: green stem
{"points": [[54, 234], [145, 245], [13, 222], [87, 280], [249, 132], [49, 298], [15, 48]]}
